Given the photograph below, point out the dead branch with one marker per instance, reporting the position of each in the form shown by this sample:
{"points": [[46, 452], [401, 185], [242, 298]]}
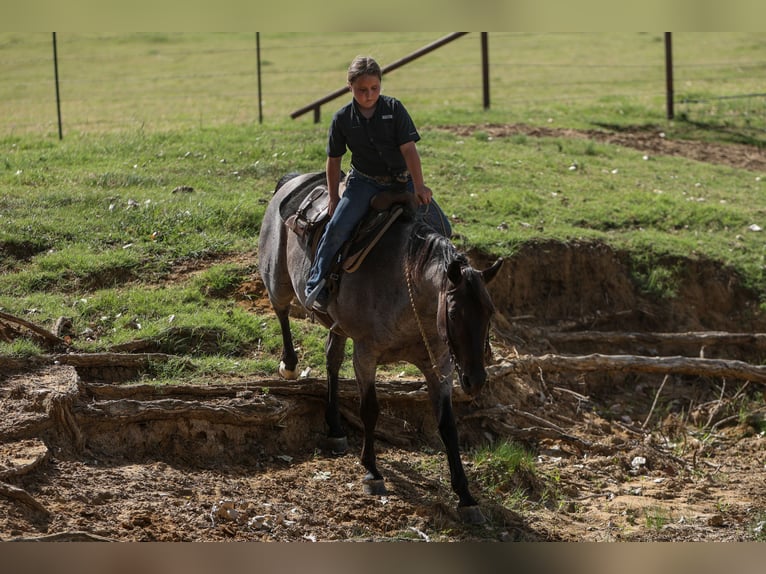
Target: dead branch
{"points": [[46, 335], [698, 338], [635, 363], [654, 402]]}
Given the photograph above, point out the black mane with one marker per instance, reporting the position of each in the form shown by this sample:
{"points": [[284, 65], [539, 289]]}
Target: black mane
{"points": [[427, 245]]}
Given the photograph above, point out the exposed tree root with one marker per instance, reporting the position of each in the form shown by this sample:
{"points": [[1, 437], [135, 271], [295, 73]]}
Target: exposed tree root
{"points": [[635, 363], [20, 495], [21, 457], [75, 536]]}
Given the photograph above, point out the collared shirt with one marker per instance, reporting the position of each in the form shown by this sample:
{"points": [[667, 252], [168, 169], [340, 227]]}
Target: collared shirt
{"points": [[374, 143]]}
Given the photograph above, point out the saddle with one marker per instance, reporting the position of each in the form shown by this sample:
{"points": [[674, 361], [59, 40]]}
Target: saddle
{"points": [[305, 212], [305, 206]]}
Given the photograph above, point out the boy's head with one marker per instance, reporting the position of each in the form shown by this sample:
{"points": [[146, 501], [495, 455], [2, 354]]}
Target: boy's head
{"points": [[364, 77], [363, 66]]}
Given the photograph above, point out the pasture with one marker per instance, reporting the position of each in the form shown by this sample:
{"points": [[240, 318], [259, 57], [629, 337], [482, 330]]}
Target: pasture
{"points": [[140, 228]]}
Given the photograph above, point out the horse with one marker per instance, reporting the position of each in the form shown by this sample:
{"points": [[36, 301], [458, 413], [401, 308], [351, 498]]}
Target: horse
{"points": [[414, 298]]}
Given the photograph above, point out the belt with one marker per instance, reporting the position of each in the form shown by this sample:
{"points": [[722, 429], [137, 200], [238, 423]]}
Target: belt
{"points": [[401, 177]]}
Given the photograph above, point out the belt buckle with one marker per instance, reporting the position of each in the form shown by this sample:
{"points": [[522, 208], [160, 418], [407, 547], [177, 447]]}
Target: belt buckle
{"points": [[402, 177]]}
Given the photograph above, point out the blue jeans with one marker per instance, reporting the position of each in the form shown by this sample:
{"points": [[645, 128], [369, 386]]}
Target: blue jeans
{"points": [[350, 210]]}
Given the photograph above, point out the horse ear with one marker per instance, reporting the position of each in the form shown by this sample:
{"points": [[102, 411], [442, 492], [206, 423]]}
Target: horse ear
{"points": [[489, 274], [454, 272]]}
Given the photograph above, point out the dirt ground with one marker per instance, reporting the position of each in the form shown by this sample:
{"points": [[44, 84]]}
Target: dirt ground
{"points": [[620, 455]]}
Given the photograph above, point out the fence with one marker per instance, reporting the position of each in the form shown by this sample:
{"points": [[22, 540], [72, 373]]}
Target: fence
{"points": [[119, 82]]}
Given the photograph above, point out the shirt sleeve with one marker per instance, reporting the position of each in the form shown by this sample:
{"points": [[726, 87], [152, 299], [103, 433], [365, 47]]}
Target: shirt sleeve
{"points": [[336, 140], [405, 127]]}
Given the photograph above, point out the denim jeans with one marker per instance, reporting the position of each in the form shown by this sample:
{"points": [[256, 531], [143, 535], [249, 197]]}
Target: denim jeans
{"points": [[350, 210]]}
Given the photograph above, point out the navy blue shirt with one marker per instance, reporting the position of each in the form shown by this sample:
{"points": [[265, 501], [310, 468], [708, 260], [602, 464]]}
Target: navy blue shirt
{"points": [[374, 143]]}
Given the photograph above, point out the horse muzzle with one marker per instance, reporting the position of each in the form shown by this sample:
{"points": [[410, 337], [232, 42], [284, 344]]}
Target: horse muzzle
{"points": [[473, 383]]}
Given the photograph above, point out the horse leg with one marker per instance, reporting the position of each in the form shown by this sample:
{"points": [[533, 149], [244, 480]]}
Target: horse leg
{"points": [[289, 362], [440, 393], [334, 351], [369, 409]]}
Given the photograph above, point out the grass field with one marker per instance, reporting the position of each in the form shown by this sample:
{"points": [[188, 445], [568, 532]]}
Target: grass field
{"points": [[90, 226], [167, 81]]}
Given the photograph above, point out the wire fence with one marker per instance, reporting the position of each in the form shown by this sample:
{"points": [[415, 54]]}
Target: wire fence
{"points": [[166, 81]]}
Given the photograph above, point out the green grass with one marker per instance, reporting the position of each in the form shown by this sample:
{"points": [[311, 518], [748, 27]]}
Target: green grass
{"points": [[20, 349], [80, 222], [93, 226], [656, 517], [507, 470]]}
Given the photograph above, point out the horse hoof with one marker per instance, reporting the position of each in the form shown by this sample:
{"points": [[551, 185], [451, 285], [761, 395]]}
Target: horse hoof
{"points": [[471, 515], [286, 373], [336, 445], [375, 486]]}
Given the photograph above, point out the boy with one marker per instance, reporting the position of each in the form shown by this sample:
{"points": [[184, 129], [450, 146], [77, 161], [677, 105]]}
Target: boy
{"points": [[381, 136]]}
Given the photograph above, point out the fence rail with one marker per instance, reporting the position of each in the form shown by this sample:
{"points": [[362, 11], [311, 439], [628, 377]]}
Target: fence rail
{"points": [[118, 82]]}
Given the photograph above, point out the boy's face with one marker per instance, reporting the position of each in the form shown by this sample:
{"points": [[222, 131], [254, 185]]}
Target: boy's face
{"points": [[366, 91]]}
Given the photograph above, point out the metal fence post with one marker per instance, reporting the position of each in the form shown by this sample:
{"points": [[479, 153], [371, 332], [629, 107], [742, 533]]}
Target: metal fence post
{"points": [[669, 73], [58, 95], [485, 66], [258, 56]]}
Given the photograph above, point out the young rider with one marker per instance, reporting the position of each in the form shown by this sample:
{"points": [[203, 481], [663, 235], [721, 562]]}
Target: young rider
{"points": [[381, 137]]}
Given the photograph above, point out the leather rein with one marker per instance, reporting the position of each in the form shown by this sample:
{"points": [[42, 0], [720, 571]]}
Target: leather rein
{"points": [[441, 328]]}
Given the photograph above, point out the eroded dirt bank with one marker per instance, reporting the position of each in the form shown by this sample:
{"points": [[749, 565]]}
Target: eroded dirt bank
{"points": [[620, 453]]}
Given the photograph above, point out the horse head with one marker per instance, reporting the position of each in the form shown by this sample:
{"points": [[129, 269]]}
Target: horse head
{"points": [[464, 321]]}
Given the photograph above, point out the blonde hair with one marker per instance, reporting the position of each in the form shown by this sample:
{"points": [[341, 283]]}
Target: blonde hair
{"points": [[363, 66]]}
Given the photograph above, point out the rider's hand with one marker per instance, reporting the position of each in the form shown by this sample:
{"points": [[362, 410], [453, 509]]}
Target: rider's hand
{"points": [[424, 195]]}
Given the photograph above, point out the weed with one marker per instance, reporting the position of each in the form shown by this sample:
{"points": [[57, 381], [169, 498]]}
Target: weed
{"points": [[656, 517]]}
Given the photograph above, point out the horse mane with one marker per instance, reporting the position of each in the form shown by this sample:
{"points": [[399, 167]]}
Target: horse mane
{"points": [[427, 246]]}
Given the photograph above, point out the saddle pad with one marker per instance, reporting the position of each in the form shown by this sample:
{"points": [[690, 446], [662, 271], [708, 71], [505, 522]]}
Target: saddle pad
{"points": [[368, 236]]}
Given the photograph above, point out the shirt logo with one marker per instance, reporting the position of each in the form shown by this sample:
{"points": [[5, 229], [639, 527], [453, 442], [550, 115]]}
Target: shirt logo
{"points": [[387, 117]]}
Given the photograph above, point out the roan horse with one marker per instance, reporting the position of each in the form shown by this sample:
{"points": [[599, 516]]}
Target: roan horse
{"points": [[413, 299]]}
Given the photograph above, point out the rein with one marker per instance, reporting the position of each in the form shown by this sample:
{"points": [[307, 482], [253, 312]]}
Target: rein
{"points": [[408, 276]]}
